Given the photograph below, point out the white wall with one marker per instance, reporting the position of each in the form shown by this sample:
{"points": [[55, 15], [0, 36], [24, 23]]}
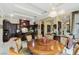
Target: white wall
{"points": [[1, 34]]}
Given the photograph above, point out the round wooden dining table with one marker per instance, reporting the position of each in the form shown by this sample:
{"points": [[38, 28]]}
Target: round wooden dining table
{"points": [[49, 47]]}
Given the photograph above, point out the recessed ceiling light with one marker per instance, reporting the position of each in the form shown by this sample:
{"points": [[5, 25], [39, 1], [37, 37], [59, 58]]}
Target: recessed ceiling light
{"points": [[53, 8], [61, 12], [11, 15]]}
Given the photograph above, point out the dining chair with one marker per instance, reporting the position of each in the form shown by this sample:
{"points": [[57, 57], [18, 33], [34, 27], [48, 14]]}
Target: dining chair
{"points": [[12, 51], [76, 49], [29, 37], [64, 40]]}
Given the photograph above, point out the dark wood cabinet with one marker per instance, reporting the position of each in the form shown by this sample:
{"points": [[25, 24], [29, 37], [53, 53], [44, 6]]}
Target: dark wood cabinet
{"points": [[9, 30], [6, 33], [24, 23]]}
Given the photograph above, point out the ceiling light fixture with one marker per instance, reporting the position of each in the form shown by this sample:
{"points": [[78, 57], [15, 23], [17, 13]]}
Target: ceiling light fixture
{"points": [[53, 14]]}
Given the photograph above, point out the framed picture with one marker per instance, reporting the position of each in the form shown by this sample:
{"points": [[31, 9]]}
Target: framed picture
{"points": [[67, 23]]}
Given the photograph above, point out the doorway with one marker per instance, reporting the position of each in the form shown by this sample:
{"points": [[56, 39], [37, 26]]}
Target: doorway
{"points": [[42, 29]]}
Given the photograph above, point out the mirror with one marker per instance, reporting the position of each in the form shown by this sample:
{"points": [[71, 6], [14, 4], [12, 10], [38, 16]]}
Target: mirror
{"points": [[48, 28], [75, 21]]}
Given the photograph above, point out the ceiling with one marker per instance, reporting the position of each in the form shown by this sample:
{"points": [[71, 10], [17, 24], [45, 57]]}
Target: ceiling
{"points": [[34, 11]]}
